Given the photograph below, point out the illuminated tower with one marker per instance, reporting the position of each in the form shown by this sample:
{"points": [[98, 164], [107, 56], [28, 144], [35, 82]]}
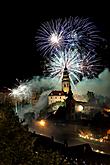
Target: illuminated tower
{"points": [[65, 81]]}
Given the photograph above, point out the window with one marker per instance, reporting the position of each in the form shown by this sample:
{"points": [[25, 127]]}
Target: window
{"points": [[64, 85], [67, 85], [51, 97], [55, 97]]}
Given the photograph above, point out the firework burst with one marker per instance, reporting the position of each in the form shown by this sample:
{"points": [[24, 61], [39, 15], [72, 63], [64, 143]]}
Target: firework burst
{"points": [[52, 36], [89, 64], [21, 91], [69, 59], [82, 33], [77, 64], [71, 32]]}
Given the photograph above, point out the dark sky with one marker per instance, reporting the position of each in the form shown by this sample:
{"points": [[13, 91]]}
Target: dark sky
{"points": [[19, 57]]}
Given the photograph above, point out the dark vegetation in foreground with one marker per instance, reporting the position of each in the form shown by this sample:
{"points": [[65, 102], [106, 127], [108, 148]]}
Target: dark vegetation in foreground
{"points": [[18, 146]]}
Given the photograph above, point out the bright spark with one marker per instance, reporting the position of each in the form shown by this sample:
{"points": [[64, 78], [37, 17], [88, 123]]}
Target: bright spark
{"points": [[55, 39]]}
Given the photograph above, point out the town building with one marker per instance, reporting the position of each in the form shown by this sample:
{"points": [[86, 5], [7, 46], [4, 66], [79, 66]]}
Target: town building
{"points": [[74, 108], [60, 96]]}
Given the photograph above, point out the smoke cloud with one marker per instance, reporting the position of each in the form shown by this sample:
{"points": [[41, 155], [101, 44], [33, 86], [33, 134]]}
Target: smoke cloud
{"points": [[40, 105], [44, 83], [100, 85]]}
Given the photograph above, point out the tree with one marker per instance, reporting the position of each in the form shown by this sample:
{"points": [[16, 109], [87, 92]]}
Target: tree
{"points": [[17, 143]]}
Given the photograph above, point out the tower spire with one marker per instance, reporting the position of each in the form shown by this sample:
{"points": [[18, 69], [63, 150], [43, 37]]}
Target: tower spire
{"points": [[65, 80]]}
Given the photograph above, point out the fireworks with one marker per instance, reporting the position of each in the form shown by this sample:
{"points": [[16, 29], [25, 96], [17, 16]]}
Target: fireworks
{"points": [[70, 43], [68, 33], [22, 91], [69, 59], [76, 63], [89, 64], [52, 36], [82, 33]]}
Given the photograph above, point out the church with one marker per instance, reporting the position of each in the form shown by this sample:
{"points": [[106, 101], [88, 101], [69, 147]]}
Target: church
{"points": [[65, 95], [60, 96]]}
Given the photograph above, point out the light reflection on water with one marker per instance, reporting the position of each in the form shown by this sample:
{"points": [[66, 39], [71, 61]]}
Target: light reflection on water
{"points": [[71, 133]]}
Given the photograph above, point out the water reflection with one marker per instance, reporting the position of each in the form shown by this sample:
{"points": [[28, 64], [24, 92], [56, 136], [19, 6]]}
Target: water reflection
{"points": [[75, 134]]}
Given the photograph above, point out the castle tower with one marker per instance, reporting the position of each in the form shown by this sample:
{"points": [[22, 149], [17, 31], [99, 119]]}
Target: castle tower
{"points": [[65, 81]]}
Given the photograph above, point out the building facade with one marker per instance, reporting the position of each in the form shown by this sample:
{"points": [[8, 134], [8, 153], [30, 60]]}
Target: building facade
{"points": [[56, 96], [60, 96]]}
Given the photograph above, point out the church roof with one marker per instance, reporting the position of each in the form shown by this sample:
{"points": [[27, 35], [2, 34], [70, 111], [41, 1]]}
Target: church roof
{"points": [[65, 70], [57, 93]]}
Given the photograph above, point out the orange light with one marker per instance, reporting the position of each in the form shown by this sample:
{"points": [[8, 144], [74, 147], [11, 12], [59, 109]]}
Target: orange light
{"points": [[42, 123]]}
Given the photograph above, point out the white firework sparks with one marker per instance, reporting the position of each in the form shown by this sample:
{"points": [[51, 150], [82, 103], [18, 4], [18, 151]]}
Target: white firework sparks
{"points": [[89, 64], [55, 39], [52, 36], [77, 64], [69, 59], [82, 33], [22, 91], [56, 35]]}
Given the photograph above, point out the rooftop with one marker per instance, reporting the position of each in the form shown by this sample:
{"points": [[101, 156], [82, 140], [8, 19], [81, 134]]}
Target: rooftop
{"points": [[57, 93]]}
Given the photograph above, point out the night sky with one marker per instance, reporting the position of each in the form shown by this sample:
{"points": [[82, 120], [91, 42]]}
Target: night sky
{"points": [[19, 57]]}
